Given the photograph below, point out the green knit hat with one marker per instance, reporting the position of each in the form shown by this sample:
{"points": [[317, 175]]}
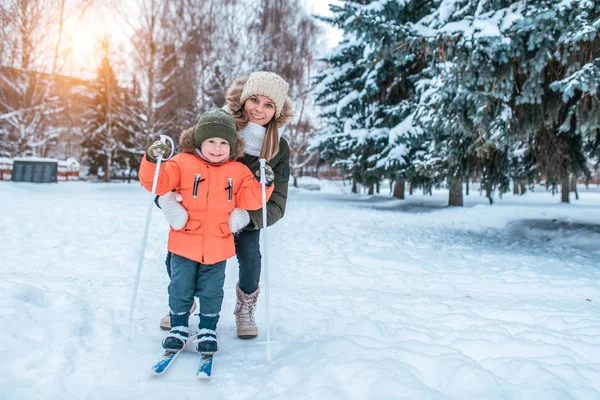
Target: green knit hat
{"points": [[216, 123]]}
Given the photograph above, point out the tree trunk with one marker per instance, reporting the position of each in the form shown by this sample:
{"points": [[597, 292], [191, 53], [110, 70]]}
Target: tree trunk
{"points": [[107, 168], [455, 197], [515, 188], [488, 194], [371, 189], [467, 188], [574, 186], [523, 188], [399, 189], [295, 181], [377, 187], [354, 186], [565, 189], [410, 189]]}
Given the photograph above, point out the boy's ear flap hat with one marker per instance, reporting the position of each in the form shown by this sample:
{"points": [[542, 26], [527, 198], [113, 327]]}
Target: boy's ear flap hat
{"points": [[216, 123]]}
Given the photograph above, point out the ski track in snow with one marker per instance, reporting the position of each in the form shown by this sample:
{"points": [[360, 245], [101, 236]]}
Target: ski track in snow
{"points": [[371, 298]]}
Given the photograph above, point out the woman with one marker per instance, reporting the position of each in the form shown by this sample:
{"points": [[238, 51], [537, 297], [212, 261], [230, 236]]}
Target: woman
{"points": [[260, 106]]}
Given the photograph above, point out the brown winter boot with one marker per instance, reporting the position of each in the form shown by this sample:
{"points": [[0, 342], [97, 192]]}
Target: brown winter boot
{"points": [[244, 313], [165, 322]]}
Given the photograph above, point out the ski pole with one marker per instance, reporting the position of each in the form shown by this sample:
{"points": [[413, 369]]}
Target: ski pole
{"points": [[164, 139], [263, 181]]}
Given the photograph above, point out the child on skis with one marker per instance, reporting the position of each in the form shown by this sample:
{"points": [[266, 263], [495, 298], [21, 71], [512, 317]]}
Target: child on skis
{"points": [[212, 185]]}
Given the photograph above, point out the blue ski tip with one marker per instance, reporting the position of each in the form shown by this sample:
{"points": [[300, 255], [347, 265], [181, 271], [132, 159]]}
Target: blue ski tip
{"points": [[205, 366], [165, 360]]}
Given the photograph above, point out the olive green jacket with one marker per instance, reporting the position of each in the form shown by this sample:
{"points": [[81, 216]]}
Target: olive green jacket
{"points": [[280, 163], [276, 204]]}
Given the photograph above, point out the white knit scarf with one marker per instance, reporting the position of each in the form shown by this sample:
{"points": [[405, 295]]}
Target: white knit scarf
{"points": [[253, 136]]}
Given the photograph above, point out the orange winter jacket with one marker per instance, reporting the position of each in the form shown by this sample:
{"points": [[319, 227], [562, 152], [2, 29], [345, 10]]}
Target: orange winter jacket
{"points": [[209, 198]]}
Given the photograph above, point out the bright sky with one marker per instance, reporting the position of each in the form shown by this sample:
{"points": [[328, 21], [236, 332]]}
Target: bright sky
{"points": [[321, 7], [82, 39]]}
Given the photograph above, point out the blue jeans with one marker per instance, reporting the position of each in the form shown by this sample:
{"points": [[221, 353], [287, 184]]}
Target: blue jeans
{"points": [[190, 278], [247, 250]]}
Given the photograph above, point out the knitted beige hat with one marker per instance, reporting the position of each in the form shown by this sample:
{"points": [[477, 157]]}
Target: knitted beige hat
{"points": [[267, 84]]}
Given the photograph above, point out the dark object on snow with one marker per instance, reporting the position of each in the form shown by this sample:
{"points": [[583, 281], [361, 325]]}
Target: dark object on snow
{"points": [[37, 170]]}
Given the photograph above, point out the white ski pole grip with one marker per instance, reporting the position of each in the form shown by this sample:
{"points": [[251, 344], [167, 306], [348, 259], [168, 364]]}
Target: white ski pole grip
{"points": [[164, 139], [265, 268]]}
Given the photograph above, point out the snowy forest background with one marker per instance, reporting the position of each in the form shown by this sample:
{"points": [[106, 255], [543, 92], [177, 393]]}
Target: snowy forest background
{"points": [[428, 93]]}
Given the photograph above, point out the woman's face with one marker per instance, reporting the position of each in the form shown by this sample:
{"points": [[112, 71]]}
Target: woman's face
{"points": [[259, 109]]}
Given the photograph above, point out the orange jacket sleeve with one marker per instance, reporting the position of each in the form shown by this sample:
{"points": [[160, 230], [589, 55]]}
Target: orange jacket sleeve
{"points": [[249, 194], [168, 177]]}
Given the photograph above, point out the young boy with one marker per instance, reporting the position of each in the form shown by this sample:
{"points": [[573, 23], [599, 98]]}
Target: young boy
{"points": [[212, 185]]}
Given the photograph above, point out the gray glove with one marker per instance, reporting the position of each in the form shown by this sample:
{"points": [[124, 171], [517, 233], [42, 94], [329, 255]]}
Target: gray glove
{"points": [[157, 149], [269, 175]]}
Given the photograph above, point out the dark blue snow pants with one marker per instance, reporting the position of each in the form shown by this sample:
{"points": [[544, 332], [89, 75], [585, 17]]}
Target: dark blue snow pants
{"points": [[247, 250], [190, 278]]}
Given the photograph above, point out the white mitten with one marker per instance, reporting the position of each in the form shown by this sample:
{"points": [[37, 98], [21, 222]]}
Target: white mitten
{"points": [[238, 220], [174, 212]]}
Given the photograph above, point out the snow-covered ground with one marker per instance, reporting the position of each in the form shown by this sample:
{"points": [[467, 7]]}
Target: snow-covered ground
{"points": [[371, 298]]}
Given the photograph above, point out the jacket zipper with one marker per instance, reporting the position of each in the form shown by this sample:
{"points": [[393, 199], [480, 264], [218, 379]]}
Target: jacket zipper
{"points": [[196, 182], [230, 188]]}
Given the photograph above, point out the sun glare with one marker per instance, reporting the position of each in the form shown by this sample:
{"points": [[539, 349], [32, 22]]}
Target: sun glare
{"points": [[84, 42], [81, 41]]}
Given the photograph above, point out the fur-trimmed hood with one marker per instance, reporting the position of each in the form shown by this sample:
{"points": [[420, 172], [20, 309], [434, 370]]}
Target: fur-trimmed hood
{"points": [[188, 145], [234, 106]]}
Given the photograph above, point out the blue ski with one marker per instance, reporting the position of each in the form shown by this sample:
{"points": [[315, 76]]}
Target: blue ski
{"points": [[166, 359], [205, 366]]}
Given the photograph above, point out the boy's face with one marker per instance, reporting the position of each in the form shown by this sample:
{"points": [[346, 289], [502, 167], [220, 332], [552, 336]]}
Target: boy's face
{"points": [[259, 109], [215, 149]]}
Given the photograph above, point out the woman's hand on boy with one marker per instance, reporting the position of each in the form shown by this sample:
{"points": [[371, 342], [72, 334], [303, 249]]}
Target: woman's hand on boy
{"points": [[269, 175], [158, 149]]}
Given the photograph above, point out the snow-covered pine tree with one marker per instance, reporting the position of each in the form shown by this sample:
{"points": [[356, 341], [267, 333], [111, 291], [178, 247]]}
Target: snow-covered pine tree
{"points": [[396, 55], [509, 90], [352, 139], [466, 104], [334, 89], [559, 95]]}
